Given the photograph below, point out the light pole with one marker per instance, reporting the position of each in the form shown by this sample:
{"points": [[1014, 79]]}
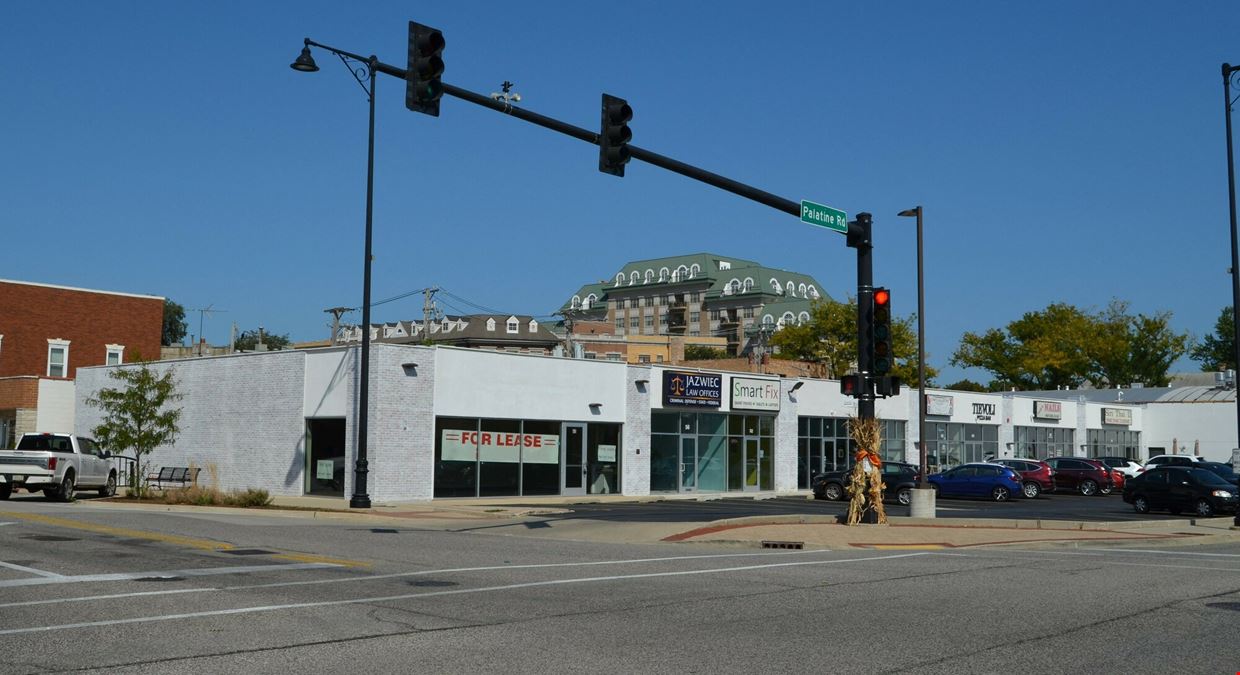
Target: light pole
{"points": [[305, 64], [921, 348], [1228, 71]]}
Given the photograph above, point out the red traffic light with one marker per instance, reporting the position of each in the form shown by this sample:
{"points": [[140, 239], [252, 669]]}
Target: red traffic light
{"points": [[881, 297]]}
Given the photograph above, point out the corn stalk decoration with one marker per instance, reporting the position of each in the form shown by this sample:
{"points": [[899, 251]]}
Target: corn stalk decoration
{"points": [[865, 481]]}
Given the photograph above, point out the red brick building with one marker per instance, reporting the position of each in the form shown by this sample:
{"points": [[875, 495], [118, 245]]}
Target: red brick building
{"points": [[48, 332]]}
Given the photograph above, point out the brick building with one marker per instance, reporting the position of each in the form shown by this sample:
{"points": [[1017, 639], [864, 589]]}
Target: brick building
{"points": [[47, 332]]}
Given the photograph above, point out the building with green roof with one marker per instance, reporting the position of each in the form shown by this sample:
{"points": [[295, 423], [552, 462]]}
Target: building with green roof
{"points": [[703, 294]]}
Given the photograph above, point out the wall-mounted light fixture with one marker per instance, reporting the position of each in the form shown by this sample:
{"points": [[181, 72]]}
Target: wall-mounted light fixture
{"points": [[596, 406], [798, 385], [410, 368]]}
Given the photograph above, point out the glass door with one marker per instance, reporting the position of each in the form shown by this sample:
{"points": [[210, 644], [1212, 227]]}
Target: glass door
{"points": [[688, 464], [751, 464], [573, 459]]}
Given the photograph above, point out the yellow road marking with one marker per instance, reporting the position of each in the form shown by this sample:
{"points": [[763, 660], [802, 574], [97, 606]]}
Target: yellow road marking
{"points": [[177, 540], [201, 544], [306, 557]]}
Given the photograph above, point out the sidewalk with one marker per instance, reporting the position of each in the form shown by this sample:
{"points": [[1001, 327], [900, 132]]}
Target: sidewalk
{"points": [[535, 517]]}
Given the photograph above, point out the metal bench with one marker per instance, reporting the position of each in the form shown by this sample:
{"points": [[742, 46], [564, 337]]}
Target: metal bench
{"points": [[181, 475]]}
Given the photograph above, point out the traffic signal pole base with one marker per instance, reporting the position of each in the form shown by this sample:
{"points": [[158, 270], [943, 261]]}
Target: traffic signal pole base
{"points": [[921, 503]]}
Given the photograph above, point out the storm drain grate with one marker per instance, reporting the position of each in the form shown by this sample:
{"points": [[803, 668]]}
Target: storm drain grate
{"points": [[383, 530], [248, 551], [795, 545], [160, 578]]}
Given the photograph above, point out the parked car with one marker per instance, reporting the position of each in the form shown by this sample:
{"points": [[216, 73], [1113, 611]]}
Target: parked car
{"points": [[57, 464], [899, 479], [1224, 471], [1171, 460], [1036, 476], [1126, 465], [993, 481], [1087, 476], [1181, 488]]}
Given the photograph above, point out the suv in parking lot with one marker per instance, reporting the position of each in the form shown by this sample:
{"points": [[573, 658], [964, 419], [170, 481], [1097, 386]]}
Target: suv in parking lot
{"points": [[1087, 476], [1036, 476], [1125, 465], [1171, 460], [1181, 488], [898, 481]]}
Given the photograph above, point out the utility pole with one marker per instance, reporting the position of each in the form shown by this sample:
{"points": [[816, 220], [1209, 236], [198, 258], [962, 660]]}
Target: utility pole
{"points": [[336, 313], [428, 310]]}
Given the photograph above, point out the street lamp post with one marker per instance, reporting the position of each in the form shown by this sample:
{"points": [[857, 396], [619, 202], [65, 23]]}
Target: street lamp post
{"points": [[1228, 71], [921, 348], [305, 64]]}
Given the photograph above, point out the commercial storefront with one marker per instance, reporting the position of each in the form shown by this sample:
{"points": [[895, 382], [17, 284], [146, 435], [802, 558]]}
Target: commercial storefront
{"points": [[449, 423]]}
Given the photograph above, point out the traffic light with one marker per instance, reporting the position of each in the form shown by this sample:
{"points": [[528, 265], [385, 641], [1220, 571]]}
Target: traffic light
{"points": [[888, 385], [614, 136], [850, 385], [423, 88], [880, 332]]}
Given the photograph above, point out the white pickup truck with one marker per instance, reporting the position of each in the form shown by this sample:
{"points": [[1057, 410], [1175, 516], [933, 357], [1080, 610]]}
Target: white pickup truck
{"points": [[57, 464]]}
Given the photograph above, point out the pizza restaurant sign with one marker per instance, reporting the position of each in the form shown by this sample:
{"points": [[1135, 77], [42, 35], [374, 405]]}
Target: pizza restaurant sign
{"points": [[752, 394], [983, 412]]}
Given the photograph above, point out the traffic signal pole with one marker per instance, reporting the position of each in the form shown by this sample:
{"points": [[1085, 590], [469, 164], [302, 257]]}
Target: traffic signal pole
{"points": [[859, 237]]}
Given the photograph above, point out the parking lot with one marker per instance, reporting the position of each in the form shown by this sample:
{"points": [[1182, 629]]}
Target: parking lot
{"points": [[1065, 506]]}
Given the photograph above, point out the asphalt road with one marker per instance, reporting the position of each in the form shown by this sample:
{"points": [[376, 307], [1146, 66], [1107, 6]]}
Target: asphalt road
{"points": [[87, 587], [1098, 508]]}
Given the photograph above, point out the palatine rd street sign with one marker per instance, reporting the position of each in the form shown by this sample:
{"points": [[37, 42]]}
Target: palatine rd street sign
{"points": [[824, 216]]}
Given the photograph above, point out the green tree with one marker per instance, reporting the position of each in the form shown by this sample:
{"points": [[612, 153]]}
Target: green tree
{"points": [[138, 415], [248, 340], [174, 323], [1064, 346], [830, 338], [1123, 348], [702, 352], [1217, 351], [967, 385]]}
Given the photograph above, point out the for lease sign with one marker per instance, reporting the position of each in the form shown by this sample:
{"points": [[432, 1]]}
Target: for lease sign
{"points": [[753, 394], [495, 446]]}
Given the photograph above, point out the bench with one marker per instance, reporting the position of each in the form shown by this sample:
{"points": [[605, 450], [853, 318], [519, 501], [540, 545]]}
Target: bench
{"points": [[181, 475]]}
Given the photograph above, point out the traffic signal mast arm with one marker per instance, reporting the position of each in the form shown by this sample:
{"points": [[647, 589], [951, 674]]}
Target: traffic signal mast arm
{"points": [[736, 187]]}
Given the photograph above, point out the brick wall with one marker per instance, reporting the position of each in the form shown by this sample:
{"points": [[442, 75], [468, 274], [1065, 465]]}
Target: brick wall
{"points": [[19, 392], [401, 445], [30, 314], [242, 418]]}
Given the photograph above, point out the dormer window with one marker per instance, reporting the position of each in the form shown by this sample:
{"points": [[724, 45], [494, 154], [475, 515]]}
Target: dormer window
{"points": [[513, 325], [533, 326], [491, 322]]}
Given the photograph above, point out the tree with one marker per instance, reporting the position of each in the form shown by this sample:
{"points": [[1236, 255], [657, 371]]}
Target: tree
{"points": [[830, 338], [1123, 349], [1217, 351], [248, 340], [137, 416], [967, 385], [1063, 346], [174, 323], [702, 352]]}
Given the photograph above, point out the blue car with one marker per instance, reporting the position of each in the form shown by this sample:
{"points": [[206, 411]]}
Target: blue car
{"points": [[991, 481]]}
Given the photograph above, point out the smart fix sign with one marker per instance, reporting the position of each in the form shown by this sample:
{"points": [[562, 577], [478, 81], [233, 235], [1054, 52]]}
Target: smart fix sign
{"points": [[753, 394]]}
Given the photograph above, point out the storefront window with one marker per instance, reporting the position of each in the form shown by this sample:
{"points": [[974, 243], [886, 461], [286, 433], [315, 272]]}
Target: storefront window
{"points": [[1114, 443], [490, 457], [711, 452], [827, 446], [1043, 442], [950, 443]]}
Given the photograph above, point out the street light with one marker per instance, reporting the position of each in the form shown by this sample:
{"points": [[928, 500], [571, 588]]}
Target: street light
{"points": [[921, 348], [305, 64], [1228, 71]]}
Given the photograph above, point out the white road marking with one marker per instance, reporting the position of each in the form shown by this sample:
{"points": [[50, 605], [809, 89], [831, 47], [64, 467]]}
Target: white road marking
{"points": [[3, 524], [130, 576], [1138, 550], [463, 591], [395, 575], [29, 570]]}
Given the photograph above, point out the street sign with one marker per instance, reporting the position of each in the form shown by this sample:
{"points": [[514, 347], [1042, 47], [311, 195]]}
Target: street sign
{"points": [[824, 216]]}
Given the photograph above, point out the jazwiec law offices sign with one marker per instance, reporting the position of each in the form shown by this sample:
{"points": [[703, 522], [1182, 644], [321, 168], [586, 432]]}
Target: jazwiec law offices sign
{"points": [[699, 390], [753, 394]]}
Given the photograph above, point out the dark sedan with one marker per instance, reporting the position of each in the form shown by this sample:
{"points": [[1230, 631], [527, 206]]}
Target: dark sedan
{"points": [[1223, 471], [1178, 489], [898, 481]]}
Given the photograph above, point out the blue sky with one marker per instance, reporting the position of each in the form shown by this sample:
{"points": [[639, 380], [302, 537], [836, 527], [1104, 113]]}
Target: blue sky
{"points": [[1063, 151]]}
